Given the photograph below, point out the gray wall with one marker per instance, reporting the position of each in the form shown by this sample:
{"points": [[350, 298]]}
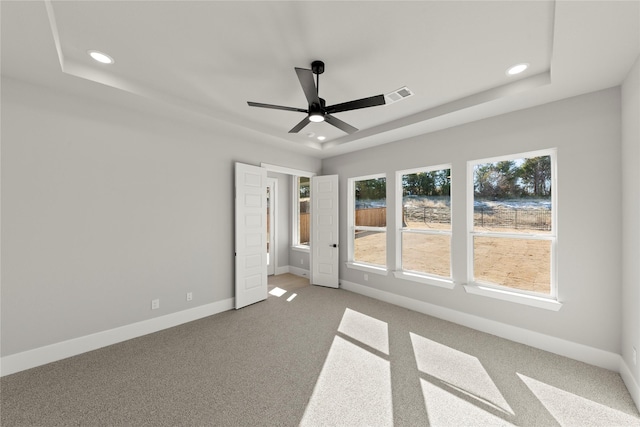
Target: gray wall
{"points": [[586, 132], [631, 217], [299, 259], [105, 209]]}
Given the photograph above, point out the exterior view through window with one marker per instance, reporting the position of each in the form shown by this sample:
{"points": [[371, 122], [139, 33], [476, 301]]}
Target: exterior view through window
{"points": [[513, 230], [370, 220], [426, 221], [302, 195]]}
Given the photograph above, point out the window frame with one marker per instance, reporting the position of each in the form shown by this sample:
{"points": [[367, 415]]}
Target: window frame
{"points": [[295, 226], [351, 226], [494, 290], [413, 275]]}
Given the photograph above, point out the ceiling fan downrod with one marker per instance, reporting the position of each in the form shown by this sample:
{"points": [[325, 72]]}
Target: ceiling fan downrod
{"points": [[317, 67]]}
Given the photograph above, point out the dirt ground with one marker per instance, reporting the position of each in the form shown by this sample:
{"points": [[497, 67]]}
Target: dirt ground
{"points": [[519, 264]]}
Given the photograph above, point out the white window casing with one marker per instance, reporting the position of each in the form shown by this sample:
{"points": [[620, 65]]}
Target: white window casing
{"points": [[506, 293], [411, 275], [352, 228]]}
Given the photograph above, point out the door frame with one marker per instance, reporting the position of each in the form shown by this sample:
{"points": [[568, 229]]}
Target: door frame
{"points": [[292, 173], [298, 172], [272, 266]]}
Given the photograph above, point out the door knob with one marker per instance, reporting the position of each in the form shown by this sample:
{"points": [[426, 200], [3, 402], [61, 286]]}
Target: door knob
{"points": [[333, 245]]}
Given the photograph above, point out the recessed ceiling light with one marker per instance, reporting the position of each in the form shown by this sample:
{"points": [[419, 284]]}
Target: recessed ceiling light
{"points": [[517, 69], [101, 57], [322, 138]]}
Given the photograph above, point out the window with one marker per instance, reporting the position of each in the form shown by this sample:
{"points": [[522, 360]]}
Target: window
{"points": [[512, 223], [368, 221], [425, 231], [301, 193]]}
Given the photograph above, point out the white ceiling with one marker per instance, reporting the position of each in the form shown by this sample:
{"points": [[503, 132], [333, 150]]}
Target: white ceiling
{"points": [[203, 60]]}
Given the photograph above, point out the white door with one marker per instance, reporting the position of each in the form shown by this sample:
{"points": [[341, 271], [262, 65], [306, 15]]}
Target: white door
{"points": [[251, 234], [324, 230], [271, 231]]}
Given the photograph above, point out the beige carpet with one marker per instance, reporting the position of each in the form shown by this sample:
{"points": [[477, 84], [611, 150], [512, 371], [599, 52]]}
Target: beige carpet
{"points": [[289, 282], [324, 357]]}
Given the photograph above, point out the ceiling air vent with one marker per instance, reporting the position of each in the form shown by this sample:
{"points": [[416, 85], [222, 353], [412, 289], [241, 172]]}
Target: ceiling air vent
{"points": [[398, 95]]}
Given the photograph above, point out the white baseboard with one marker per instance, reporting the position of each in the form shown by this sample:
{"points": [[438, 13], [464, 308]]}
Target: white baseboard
{"points": [[630, 382], [282, 270], [572, 350], [40, 356], [298, 271]]}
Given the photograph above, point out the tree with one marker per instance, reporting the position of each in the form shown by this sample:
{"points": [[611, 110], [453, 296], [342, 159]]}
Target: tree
{"points": [[410, 185], [371, 189], [433, 183], [304, 186], [507, 179], [535, 174], [497, 180], [443, 182]]}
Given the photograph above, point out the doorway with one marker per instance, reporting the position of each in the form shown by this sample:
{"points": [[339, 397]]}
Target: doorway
{"points": [[256, 231]]}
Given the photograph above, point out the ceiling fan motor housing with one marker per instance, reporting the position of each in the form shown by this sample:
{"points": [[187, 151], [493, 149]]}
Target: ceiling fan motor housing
{"points": [[317, 67]]}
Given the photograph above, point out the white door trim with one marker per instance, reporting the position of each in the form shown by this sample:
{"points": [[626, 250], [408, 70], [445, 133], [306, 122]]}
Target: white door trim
{"points": [[287, 171], [272, 183]]}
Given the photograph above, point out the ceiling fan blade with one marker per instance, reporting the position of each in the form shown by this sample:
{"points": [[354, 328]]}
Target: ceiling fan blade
{"points": [[372, 101], [275, 107], [339, 124], [297, 128], [308, 85]]}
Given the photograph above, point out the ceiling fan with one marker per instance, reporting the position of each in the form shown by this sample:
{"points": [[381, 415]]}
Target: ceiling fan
{"points": [[318, 111]]}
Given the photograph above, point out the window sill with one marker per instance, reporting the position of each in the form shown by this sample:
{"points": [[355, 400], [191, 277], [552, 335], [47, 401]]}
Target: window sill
{"points": [[368, 268], [421, 278], [515, 297], [301, 248]]}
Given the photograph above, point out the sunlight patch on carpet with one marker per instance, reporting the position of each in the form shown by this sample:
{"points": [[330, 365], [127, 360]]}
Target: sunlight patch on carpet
{"points": [[366, 329], [354, 388], [572, 410], [447, 409], [459, 371], [278, 292]]}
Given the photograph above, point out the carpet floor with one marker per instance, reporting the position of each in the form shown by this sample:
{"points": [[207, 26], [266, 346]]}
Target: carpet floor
{"points": [[322, 357]]}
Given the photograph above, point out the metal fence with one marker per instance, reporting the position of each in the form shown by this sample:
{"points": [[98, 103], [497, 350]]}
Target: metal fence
{"points": [[487, 217], [517, 219], [431, 215]]}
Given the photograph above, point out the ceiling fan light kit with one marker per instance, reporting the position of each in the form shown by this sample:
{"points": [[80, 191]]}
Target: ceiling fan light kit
{"points": [[316, 117], [317, 110]]}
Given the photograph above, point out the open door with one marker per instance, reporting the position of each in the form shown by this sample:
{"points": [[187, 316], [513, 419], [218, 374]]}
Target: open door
{"points": [[251, 234], [324, 231]]}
